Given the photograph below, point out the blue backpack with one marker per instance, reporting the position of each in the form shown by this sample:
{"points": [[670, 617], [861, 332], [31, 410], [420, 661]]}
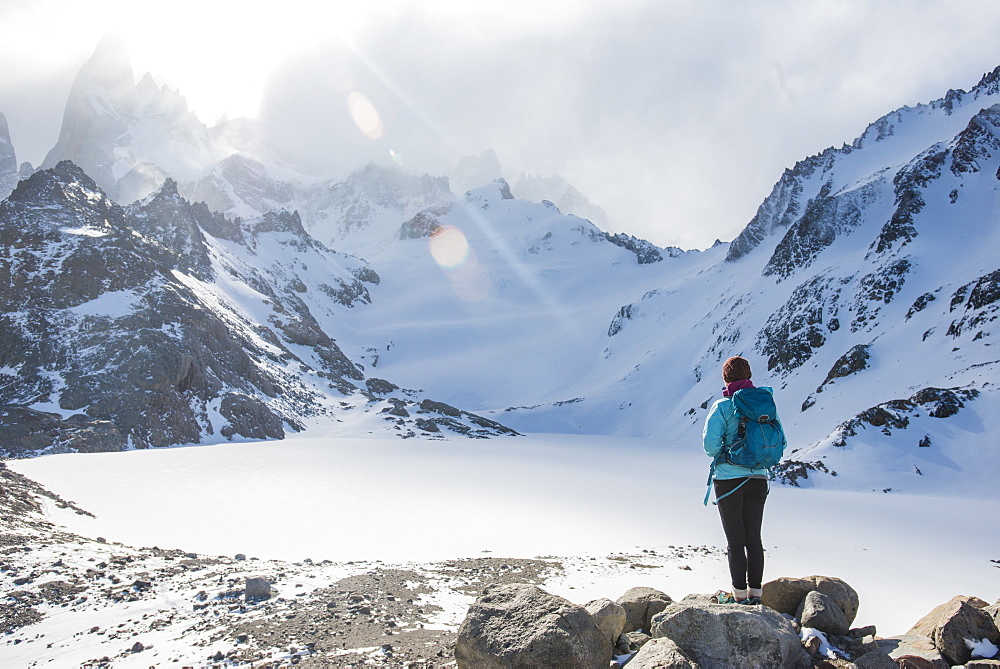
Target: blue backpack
{"points": [[760, 439]]}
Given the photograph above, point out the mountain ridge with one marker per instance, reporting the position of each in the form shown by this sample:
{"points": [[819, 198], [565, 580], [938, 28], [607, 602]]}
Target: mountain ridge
{"points": [[861, 261]]}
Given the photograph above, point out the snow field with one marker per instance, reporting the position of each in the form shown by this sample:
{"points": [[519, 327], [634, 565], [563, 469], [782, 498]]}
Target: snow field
{"points": [[583, 499]]}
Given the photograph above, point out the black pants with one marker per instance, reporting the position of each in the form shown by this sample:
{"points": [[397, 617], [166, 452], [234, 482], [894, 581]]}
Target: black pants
{"points": [[742, 514]]}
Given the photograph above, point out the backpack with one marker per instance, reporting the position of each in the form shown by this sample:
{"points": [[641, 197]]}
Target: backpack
{"points": [[760, 439]]}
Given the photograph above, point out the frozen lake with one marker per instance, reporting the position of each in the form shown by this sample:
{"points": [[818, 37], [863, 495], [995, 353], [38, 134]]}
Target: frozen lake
{"points": [[339, 498]]}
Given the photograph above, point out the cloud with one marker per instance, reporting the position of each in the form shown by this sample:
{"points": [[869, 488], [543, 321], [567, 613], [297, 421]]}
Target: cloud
{"points": [[675, 117]]}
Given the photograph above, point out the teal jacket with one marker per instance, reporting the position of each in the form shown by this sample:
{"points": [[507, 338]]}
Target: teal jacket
{"points": [[720, 428]]}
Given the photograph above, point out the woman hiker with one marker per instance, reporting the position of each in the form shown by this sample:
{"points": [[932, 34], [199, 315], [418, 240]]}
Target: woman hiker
{"points": [[740, 491]]}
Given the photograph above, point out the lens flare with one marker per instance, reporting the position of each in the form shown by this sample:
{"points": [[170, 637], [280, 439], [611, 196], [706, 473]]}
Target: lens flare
{"points": [[449, 248], [365, 116]]}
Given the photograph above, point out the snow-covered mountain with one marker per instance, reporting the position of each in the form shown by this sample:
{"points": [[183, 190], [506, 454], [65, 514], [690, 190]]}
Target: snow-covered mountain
{"points": [[164, 323], [561, 193], [129, 137], [865, 290]]}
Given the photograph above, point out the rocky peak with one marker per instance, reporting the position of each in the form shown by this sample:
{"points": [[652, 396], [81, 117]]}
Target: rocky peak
{"points": [[101, 102], [171, 221], [65, 183], [8, 161], [989, 84], [110, 121], [109, 69], [474, 171]]}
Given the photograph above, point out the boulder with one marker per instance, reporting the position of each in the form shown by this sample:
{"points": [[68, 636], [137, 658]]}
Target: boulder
{"points": [[983, 664], [845, 597], [731, 635], [609, 618], [517, 625], [785, 594], [821, 612], [951, 623], [640, 605], [257, 588], [917, 662], [911, 646], [875, 659], [661, 653]]}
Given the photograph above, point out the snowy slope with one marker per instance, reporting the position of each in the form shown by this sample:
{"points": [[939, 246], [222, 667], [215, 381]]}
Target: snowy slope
{"points": [[164, 323], [864, 289], [868, 277]]}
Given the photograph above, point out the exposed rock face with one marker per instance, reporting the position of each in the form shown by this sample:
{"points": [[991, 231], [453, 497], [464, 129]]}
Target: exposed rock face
{"points": [[936, 402], [116, 314], [239, 182], [25, 431], [731, 635], [825, 219], [8, 160], [645, 252], [951, 623], [524, 626]]}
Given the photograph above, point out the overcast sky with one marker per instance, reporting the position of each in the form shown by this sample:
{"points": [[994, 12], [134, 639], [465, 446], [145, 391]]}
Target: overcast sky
{"points": [[676, 117]]}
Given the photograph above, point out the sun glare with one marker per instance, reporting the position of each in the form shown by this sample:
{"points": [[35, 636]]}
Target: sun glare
{"points": [[448, 246], [365, 116]]}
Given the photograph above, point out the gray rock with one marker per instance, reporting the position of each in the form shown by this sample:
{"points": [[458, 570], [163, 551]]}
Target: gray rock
{"points": [[785, 594], [862, 632], [951, 623], [994, 612], [517, 625], [913, 645], [257, 588], [876, 659], [24, 431], [731, 635], [822, 613], [915, 662], [640, 605], [661, 653], [844, 596], [609, 618], [637, 639]]}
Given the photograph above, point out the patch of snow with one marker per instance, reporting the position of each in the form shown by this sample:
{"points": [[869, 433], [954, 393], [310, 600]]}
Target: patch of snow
{"points": [[983, 648], [825, 647], [84, 232]]}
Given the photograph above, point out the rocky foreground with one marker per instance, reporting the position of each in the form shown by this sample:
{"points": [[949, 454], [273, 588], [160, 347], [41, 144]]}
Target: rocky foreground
{"points": [[801, 623], [71, 601]]}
